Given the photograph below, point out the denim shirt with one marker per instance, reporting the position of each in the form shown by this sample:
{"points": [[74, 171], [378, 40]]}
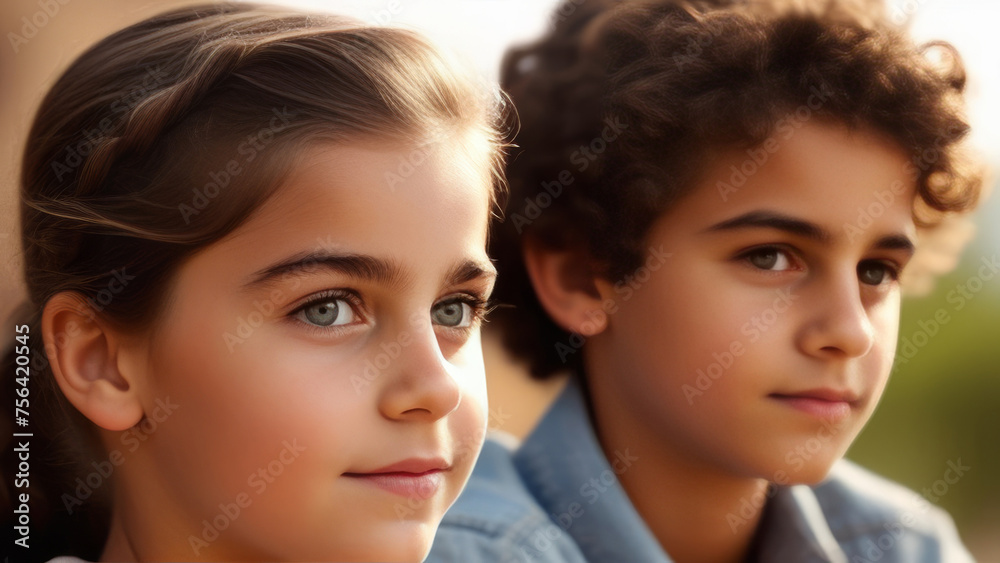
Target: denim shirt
{"points": [[557, 499]]}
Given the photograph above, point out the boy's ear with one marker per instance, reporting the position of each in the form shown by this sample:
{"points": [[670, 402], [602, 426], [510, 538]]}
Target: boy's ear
{"points": [[566, 285], [84, 353]]}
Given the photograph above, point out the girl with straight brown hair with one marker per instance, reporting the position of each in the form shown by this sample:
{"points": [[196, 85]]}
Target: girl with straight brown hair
{"points": [[254, 244]]}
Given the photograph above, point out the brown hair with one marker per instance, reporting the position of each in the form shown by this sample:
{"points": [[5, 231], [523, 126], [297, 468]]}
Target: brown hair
{"points": [[649, 88], [128, 168]]}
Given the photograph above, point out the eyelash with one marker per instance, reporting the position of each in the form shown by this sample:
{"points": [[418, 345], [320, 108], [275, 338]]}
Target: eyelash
{"points": [[745, 255], [326, 296], [479, 306], [892, 269]]}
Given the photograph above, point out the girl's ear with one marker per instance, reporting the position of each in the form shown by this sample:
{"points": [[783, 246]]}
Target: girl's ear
{"points": [[85, 356], [566, 285]]}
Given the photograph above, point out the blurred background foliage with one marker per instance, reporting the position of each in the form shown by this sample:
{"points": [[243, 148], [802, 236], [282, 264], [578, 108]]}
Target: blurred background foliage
{"points": [[943, 403]]}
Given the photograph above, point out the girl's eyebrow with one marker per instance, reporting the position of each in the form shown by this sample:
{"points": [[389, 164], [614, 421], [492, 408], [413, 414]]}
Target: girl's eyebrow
{"points": [[773, 220], [364, 267], [361, 266], [469, 270]]}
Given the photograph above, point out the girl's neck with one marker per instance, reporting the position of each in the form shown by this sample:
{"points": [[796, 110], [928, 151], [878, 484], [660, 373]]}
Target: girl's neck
{"points": [[695, 510], [117, 548]]}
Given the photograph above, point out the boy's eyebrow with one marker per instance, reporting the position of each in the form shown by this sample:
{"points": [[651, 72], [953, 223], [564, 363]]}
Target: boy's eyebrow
{"points": [[896, 242], [789, 224], [361, 266], [772, 220]]}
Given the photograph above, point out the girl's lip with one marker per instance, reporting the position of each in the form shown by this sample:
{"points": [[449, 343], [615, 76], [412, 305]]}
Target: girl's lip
{"points": [[412, 485], [412, 465], [415, 477]]}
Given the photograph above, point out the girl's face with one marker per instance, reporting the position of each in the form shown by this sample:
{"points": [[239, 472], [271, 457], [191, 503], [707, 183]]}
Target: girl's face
{"points": [[758, 336], [325, 366]]}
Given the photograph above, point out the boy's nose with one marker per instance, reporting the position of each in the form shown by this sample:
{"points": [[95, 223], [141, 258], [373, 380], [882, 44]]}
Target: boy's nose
{"points": [[838, 324], [420, 385]]}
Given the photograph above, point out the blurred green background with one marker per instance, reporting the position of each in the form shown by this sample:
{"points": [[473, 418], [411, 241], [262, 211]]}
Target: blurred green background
{"points": [[943, 404]]}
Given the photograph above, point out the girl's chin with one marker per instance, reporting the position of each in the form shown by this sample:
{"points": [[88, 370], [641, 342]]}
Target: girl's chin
{"points": [[402, 540]]}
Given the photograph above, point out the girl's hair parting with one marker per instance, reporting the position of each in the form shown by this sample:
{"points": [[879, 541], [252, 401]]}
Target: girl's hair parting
{"points": [[623, 102], [163, 138]]}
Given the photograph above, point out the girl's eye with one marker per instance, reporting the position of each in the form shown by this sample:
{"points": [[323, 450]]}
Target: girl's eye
{"points": [[453, 313], [875, 273], [327, 312], [769, 258]]}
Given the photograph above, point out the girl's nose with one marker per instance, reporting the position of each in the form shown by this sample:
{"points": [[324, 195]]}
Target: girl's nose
{"points": [[420, 385]]}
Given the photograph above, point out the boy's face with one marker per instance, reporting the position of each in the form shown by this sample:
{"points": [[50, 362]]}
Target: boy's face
{"points": [[326, 365], [762, 344]]}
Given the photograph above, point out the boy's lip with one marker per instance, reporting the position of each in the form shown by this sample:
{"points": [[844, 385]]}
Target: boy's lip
{"points": [[415, 477], [826, 403], [823, 394]]}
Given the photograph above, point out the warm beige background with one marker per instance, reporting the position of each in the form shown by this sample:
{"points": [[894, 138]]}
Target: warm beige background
{"points": [[25, 76]]}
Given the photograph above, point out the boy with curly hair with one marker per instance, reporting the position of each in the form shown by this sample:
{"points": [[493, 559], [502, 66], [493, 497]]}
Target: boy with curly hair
{"points": [[709, 218]]}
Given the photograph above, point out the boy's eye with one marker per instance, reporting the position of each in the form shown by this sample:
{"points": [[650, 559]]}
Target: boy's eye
{"points": [[328, 312], [875, 273], [773, 259], [454, 313]]}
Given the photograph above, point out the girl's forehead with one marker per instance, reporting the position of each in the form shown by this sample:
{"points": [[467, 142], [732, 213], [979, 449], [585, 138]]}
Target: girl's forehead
{"points": [[420, 207]]}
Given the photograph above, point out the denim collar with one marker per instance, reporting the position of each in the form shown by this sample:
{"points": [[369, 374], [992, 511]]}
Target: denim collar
{"points": [[563, 466]]}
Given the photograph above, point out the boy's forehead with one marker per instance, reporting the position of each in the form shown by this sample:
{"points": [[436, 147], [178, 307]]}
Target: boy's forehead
{"points": [[823, 173]]}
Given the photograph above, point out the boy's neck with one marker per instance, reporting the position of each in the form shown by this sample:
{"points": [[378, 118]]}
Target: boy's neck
{"points": [[684, 502]]}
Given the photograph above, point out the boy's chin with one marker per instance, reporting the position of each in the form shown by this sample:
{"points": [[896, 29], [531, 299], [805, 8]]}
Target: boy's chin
{"points": [[810, 473]]}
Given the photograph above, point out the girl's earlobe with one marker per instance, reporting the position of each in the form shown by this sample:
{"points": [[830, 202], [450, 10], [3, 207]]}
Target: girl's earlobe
{"points": [[566, 285], [83, 352]]}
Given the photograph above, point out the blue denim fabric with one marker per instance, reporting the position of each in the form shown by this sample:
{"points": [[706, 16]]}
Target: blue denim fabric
{"points": [[557, 499]]}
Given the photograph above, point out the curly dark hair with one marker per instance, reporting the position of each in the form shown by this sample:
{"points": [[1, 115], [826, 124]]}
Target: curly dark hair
{"points": [[621, 101]]}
